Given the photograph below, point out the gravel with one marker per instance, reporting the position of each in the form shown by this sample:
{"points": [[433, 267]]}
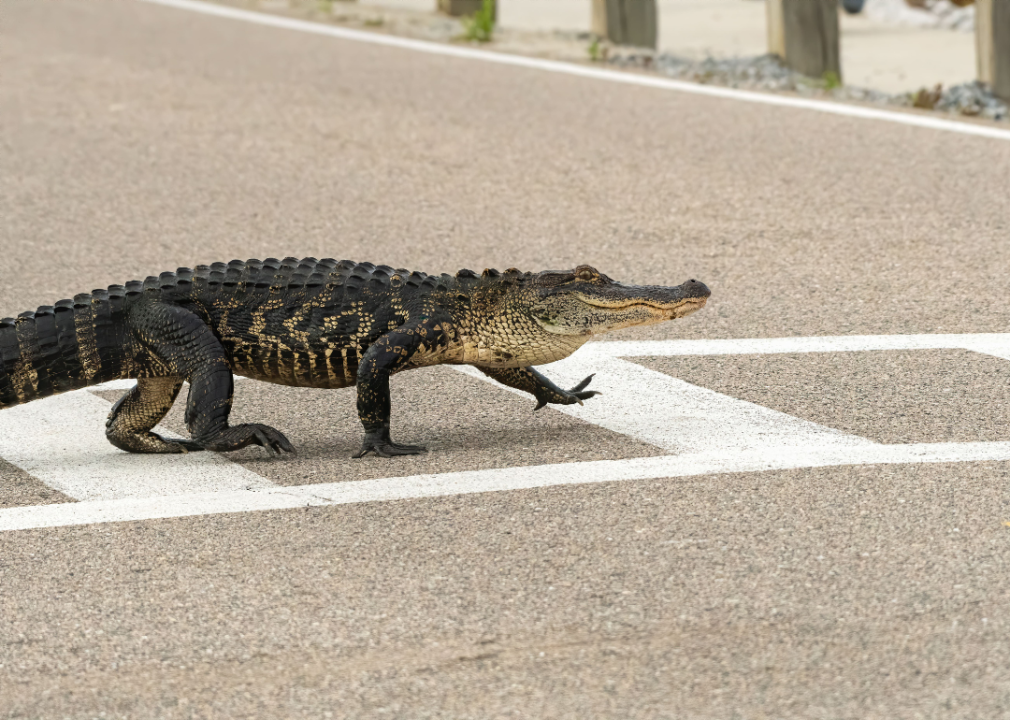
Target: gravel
{"points": [[972, 98], [766, 72], [933, 14]]}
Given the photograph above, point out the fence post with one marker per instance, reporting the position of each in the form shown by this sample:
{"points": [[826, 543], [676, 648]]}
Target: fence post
{"points": [[804, 33], [626, 22], [992, 45], [460, 7]]}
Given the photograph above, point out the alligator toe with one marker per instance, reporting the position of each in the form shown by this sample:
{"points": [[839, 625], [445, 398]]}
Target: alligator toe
{"points": [[239, 436], [381, 444]]}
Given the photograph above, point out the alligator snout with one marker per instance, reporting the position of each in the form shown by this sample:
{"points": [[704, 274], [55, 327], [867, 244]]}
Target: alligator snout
{"points": [[694, 288]]}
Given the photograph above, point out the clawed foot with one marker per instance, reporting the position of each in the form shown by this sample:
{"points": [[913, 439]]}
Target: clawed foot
{"points": [[238, 436], [379, 442], [576, 395]]}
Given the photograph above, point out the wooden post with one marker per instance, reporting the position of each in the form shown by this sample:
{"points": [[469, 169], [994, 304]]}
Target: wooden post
{"points": [[805, 34], [626, 22], [992, 45], [460, 7]]}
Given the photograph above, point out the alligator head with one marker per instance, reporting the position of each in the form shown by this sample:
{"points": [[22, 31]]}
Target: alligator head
{"points": [[516, 319], [586, 302]]}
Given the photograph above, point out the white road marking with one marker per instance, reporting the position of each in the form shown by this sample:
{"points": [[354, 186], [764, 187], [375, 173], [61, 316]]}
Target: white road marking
{"points": [[857, 111], [997, 344], [678, 416], [482, 481], [684, 418], [60, 440]]}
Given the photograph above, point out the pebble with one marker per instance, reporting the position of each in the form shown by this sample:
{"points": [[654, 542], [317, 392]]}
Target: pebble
{"points": [[766, 72], [941, 14]]}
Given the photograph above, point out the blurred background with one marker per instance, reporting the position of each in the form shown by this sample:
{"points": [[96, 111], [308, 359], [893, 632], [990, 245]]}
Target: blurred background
{"points": [[931, 54]]}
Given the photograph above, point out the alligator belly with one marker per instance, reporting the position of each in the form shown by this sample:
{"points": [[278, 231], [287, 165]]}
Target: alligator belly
{"points": [[325, 368]]}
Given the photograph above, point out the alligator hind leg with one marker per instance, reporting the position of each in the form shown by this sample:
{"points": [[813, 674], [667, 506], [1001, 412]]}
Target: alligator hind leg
{"points": [[133, 415], [186, 344]]}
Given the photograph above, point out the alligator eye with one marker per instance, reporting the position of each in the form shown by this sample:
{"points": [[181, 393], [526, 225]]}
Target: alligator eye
{"points": [[585, 275]]}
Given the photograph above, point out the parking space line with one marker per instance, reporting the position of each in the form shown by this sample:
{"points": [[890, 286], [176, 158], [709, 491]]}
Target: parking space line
{"points": [[482, 481], [61, 441], [680, 417], [997, 344], [915, 119]]}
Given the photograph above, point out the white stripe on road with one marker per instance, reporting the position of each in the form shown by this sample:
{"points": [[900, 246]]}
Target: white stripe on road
{"points": [[482, 481], [554, 66], [683, 418], [680, 417], [997, 344], [61, 441]]}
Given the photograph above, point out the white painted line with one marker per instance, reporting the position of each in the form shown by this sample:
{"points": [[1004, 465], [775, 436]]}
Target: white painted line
{"points": [[997, 344], [554, 66], [481, 481], [680, 417], [683, 418], [61, 441]]}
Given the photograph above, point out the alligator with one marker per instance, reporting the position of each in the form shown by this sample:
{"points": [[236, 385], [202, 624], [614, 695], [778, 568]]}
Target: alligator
{"points": [[312, 323]]}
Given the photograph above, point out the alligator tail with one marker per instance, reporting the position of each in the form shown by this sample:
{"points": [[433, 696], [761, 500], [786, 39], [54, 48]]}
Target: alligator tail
{"points": [[66, 346]]}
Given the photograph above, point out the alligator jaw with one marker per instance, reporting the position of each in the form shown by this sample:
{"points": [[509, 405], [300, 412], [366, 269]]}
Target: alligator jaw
{"points": [[592, 311], [663, 311], [644, 305]]}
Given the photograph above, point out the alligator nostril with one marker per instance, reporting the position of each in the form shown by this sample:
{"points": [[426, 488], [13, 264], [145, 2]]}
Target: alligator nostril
{"points": [[692, 280]]}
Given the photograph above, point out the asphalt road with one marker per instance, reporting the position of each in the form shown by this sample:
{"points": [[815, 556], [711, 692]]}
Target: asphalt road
{"points": [[137, 138]]}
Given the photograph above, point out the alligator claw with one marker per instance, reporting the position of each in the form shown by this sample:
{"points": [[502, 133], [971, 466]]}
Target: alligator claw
{"points": [[272, 440], [379, 442], [239, 436], [576, 395], [388, 450]]}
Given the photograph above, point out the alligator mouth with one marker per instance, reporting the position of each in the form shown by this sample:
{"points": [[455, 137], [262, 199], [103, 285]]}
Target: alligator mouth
{"points": [[677, 308]]}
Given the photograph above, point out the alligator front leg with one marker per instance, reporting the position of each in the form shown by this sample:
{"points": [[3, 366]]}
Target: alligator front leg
{"points": [[388, 354], [529, 380]]}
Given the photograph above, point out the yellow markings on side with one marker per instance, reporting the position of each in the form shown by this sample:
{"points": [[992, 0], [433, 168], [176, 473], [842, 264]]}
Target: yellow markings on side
{"points": [[87, 345], [349, 377], [260, 314], [24, 376], [291, 324], [331, 373]]}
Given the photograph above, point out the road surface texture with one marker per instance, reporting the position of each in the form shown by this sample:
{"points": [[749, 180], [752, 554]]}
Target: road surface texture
{"points": [[136, 138]]}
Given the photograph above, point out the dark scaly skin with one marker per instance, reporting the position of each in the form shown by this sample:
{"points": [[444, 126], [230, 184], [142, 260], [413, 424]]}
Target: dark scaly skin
{"points": [[312, 323]]}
